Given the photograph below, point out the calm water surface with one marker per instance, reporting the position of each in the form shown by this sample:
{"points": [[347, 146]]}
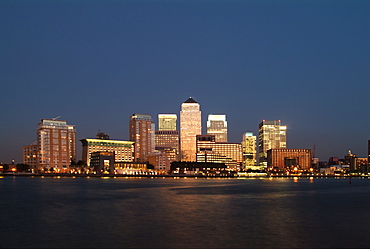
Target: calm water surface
{"points": [[183, 213]]}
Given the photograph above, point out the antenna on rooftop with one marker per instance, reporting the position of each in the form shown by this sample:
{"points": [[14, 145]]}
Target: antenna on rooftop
{"points": [[56, 118]]}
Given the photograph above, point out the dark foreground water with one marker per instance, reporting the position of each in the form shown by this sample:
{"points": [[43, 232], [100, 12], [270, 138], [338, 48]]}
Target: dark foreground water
{"points": [[202, 213]]}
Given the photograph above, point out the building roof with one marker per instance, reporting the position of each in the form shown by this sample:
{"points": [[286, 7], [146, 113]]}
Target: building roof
{"points": [[190, 100]]}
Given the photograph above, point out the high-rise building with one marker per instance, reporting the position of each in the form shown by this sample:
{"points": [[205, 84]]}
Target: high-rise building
{"points": [[190, 126], [272, 135], [217, 125], [56, 145], [142, 133], [249, 150], [351, 160], [167, 122], [210, 151], [167, 142]]}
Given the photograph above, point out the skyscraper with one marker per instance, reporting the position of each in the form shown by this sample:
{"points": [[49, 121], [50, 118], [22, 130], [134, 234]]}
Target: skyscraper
{"points": [[249, 150], [272, 135], [217, 125], [167, 122], [56, 145], [166, 141], [142, 133], [190, 126]]}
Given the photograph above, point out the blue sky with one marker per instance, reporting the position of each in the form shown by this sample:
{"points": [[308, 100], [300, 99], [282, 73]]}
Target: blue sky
{"points": [[97, 62]]}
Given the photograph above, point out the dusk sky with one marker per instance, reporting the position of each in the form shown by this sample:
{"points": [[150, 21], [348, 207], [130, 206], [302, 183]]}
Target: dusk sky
{"points": [[94, 63]]}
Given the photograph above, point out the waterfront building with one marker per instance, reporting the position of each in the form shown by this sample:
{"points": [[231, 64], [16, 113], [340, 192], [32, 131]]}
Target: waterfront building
{"points": [[289, 159], [142, 134], [167, 142], [249, 151], [123, 151], [56, 145], [217, 125], [200, 168], [30, 156], [131, 168], [160, 161], [362, 164], [102, 162], [208, 150], [167, 122], [271, 135], [190, 126], [351, 160]]}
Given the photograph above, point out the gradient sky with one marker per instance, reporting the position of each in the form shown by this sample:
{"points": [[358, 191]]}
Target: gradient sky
{"points": [[95, 63]]}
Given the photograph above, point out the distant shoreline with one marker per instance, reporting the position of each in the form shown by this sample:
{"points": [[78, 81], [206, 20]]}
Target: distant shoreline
{"points": [[59, 175]]}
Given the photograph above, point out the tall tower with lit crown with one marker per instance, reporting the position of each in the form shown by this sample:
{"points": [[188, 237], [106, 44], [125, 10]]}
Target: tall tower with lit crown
{"points": [[190, 127], [167, 122]]}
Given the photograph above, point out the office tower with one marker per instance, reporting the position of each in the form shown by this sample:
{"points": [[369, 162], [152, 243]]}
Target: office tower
{"points": [[142, 133], [166, 142], [123, 151], [351, 160], [56, 145], [217, 125], [289, 159], [167, 122], [190, 126], [249, 150], [210, 151], [272, 135]]}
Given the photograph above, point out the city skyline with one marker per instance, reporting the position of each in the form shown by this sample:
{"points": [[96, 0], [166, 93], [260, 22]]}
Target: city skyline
{"points": [[305, 63]]}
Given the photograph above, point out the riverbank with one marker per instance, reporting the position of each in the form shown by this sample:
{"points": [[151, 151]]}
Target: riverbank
{"points": [[58, 175]]}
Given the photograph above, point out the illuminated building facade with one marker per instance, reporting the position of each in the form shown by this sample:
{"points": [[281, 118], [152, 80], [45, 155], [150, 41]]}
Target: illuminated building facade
{"points": [[289, 159], [142, 133], [272, 135], [210, 151], [167, 122], [351, 160], [160, 161], [56, 145], [130, 168], [190, 127], [30, 156], [249, 150], [168, 143], [217, 125], [123, 151]]}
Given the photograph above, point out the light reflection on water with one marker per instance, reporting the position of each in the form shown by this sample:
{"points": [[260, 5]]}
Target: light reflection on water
{"points": [[187, 213]]}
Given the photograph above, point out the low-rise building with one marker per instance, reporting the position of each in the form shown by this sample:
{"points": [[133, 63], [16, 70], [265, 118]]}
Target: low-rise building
{"points": [[289, 159]]}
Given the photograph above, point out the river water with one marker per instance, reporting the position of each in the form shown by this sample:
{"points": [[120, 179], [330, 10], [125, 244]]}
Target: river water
{"points": [[67, 212]]}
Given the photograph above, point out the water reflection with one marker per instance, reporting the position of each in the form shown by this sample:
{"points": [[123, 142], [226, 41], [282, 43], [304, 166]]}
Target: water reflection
{"points": [[175, 213]]}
